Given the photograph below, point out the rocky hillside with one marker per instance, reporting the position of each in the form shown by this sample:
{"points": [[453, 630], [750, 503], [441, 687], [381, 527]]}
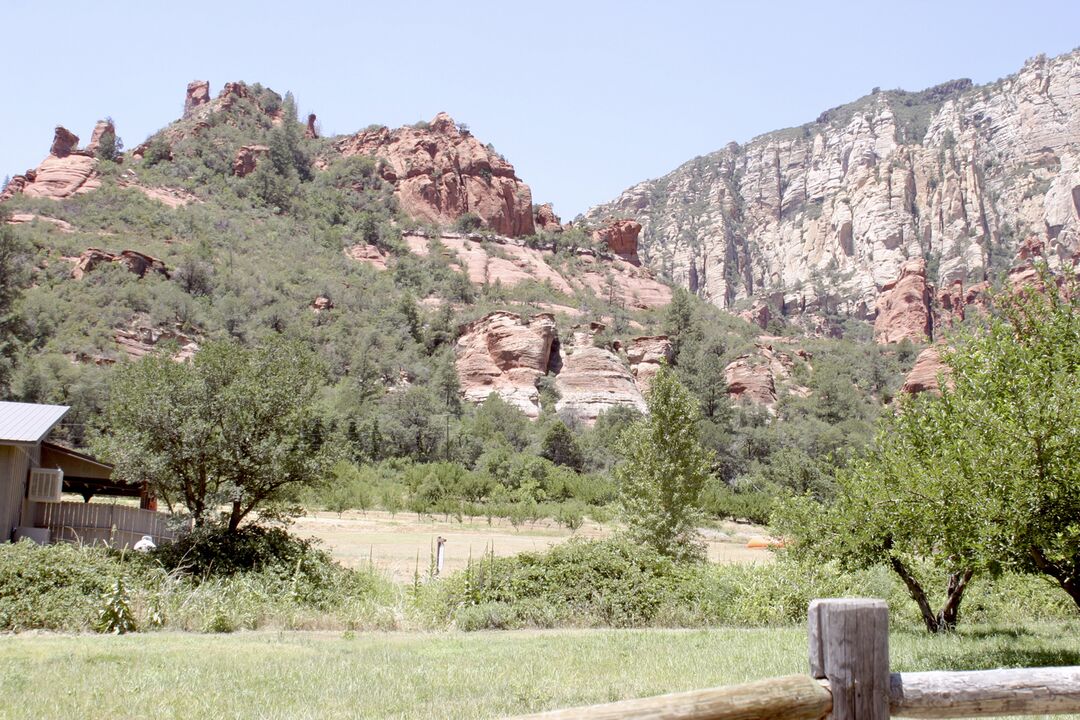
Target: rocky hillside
{"points": [[824, 218]]}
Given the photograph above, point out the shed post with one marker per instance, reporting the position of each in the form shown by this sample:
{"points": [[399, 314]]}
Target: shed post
{"points": [[849, 647]]}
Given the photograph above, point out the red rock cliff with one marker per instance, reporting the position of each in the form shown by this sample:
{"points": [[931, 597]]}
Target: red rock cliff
{"points": [[440, 173]]}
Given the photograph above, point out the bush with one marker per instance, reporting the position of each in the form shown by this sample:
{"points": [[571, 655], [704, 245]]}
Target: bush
{"points": [[55, 587], [213, 551]]}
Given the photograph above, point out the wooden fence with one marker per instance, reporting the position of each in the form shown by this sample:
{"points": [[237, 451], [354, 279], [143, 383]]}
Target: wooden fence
{"points": [[118, 526], [850, 680]]}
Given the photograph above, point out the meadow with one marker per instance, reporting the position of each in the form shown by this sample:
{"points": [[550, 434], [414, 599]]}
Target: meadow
{"points": [[449, 675]]}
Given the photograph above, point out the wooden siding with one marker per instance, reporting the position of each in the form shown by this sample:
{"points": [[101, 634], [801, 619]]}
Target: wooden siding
{"points": [[118, 526]]}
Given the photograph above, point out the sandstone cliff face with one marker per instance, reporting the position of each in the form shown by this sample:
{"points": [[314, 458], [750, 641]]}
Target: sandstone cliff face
{"points": [[505, 354], [758, 378], [904, 307], [924, 375], [621, 238], [136, 262], [831, 211], [440, 173]]}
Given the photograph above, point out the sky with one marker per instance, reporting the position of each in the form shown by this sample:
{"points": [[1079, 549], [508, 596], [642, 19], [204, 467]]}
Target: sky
{"points": [[585, 98]]}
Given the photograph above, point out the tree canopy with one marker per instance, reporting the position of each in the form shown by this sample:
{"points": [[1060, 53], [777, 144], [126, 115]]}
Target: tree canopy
{"points": [[235, 427]]}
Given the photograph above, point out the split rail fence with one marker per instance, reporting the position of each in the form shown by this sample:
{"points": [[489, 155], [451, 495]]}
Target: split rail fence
{"points": [[850, 680]]}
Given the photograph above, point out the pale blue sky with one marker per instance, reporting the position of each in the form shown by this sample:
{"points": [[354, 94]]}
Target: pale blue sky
{"points": [[584, 98]]}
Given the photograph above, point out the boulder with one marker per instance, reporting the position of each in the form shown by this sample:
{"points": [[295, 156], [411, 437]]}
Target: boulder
{"points": [[64, 142], [441, 173], [904, 307], [505, 354]]}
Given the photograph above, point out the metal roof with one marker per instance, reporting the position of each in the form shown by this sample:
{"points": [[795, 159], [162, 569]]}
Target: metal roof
{"points": [[28, 422]]}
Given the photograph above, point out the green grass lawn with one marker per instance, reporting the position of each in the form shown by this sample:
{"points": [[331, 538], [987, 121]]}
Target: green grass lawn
{"points": [[440, 675]]}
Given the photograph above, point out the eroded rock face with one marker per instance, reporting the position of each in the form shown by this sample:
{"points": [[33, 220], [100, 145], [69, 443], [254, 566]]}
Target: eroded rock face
{"points": [[904, 307], [757, 378], [247, 158], [842, 203], [440, 173], [198, 93], [505, 354], [311, 132], [369, 254], [621, 238], [924, 375], [140, 340], [64, 142], [593, 380], [136, 262]]}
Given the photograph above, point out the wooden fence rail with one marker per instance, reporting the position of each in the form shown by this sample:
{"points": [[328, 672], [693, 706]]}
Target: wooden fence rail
{"points": [[118, 526], [850, 680]]}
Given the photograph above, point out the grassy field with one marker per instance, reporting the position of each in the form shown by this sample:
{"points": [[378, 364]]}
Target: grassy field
{"points": [[394, 543], [444, 675]]}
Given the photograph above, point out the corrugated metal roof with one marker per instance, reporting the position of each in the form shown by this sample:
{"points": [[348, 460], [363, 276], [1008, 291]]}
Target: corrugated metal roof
{"points": [[28, 422]]}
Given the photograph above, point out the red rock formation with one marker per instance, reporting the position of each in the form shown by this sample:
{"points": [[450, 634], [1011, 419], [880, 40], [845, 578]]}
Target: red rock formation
{"points": [[64, 142], [311, 132], [139, 340], [198, 93], [102, 128], [505, 354], [924, 375], [758, 314], [66, 171], [621, 238], [26, 218], [903, 307], [440, 174], [135, 262], [546, 220], [749, 381], [322, 303], [247, 157]]}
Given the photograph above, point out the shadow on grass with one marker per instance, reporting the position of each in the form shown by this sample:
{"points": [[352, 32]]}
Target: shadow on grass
{"points": [[999, 657]]}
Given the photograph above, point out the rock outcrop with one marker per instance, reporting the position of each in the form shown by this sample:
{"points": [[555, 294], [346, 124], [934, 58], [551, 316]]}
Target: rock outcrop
{"points": [[136, 262], [198, 93], [758, 378], [311, 132], [103, 128], [592, 380], [545, 219], [505, 354], [66, 171], [621, 238], [905, 307], [246, 159], [924, 375], [440, 173], [955, 174]]}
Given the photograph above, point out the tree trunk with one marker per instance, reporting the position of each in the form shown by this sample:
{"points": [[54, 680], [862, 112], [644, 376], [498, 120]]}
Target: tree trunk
{"points": [[235, 516], [1069, 582], [917, 594], [950, 612]]}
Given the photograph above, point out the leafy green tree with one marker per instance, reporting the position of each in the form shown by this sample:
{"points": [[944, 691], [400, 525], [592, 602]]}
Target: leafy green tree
{"points": [[1011, 414], [665, 469], [110, 146], [560, 447], [233, 427]]}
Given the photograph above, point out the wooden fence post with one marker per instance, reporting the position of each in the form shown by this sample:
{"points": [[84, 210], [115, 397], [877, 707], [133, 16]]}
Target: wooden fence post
{"points": [[849, 647]]}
